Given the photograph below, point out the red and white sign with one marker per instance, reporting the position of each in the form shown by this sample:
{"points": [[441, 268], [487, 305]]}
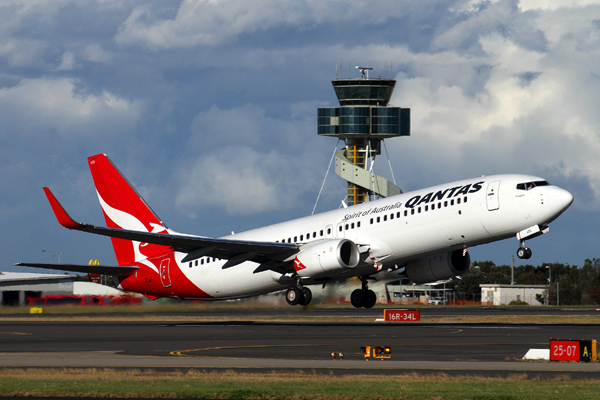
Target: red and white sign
{"points": [[564, 350], [401, 315]]}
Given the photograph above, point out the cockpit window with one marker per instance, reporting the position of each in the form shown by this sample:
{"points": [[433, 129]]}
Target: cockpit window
{"points": [[531, 185]]}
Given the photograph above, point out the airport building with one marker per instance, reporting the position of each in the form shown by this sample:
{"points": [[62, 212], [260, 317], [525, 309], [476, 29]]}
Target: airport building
{"points": [[16, 287], [498, 294]]}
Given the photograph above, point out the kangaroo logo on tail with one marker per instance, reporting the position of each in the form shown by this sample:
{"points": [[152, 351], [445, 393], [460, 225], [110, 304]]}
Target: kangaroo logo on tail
{"points": [[124, 208]]}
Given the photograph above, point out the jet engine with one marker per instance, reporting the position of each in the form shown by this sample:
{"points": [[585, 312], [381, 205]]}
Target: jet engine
{"points": [[441, 266], [326, 257]]}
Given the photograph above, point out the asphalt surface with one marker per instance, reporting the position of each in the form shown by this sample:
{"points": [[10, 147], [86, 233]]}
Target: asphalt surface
{"points": [[483, 349]]}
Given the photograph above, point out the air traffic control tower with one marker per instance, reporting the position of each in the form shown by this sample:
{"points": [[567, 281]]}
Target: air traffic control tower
{"points": [[363, 121]]}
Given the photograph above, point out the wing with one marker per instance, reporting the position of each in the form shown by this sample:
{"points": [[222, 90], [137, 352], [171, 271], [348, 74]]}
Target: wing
{"points": [[88, 269], [271, 255]]}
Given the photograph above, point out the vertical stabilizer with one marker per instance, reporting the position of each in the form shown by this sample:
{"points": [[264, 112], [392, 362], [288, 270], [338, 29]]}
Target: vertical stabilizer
{"points": [[124, 208]]}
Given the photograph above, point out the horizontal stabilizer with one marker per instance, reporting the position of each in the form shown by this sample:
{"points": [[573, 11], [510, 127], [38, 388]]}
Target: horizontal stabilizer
{"points": [[88, 269]]}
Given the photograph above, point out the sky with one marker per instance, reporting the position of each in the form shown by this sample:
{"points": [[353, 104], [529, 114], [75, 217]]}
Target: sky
{"points": [[209, 108]]}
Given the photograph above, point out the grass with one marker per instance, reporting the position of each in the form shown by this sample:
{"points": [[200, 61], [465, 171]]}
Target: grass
{"points": [[187, 311], [279, 385]]}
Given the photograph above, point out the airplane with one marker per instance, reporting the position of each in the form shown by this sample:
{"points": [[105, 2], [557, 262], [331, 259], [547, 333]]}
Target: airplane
{"points": [[422, 235]]}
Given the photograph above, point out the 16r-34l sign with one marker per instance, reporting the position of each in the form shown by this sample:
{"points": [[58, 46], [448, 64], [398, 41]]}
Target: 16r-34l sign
{"points": [[401, 315]]}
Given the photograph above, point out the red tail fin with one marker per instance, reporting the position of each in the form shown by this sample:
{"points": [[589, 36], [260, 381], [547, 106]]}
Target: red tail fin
{"points": [[124, 208]]}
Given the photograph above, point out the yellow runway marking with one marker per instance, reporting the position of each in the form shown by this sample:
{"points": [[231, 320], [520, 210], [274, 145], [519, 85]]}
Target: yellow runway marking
{"points": [[15, 333]]}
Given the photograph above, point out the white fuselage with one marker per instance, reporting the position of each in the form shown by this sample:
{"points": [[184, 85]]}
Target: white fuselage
{"points": [[395, 230]]}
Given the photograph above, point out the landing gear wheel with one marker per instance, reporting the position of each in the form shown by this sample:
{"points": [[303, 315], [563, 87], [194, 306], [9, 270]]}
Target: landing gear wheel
{"points": [[524, 253], [293, 296], [306, 297], [357, 298], [371, 299]]}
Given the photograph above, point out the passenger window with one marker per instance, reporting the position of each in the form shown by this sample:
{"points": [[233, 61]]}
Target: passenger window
{"points": [[329, 231], [465, 199], [314, 235], [445, 203], [452, 202], [295, 239], [398, 214], [391, 216], [412, 211], [358, 224], [301, 237], [208, 260], [385, 217], [321, 232], [419, 210], [196, 263], [202, 261], [426, 208], [190, 264], [378, 219], [405, 213], [346, 226], [371, 221], [433, 206], [352, 225], [289, 240], [458, 201]]}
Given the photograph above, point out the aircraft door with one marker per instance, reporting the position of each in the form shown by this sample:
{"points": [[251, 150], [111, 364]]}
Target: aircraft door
{"points": [[492, 198], [329, 231], [339, 230], [165, 276]]}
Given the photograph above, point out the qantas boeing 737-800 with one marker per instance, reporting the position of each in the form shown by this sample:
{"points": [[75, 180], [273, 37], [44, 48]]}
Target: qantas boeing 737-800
{"points": [[421, 235]]}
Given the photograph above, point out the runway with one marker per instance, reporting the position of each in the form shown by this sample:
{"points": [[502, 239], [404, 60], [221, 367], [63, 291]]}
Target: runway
{"points": [[488, 349]]}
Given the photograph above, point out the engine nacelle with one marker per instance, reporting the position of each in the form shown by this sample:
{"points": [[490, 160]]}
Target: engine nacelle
{"points": [[441, 266], [326, 257]]}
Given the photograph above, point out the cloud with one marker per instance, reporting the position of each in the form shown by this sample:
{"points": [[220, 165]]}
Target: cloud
{"points": [[247, 162], [61, 105], [239, 179], [526, 5], [67, 62], [531, 113], [212, 23]]}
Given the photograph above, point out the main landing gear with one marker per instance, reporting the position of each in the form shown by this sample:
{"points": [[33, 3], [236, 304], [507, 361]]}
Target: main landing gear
{"points": [[524, 252], [363, 297], [298, 295]]}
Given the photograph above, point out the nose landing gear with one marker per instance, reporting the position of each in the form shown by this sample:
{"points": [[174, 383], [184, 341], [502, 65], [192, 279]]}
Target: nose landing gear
{"points": [[524, 252]]}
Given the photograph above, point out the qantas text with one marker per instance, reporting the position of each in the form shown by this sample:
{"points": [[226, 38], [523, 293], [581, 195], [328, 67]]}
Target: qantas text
{"points": [[418, 200]]}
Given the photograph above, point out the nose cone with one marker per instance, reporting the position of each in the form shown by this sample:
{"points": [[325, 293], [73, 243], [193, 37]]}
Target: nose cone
{"points": [[559, 199]]}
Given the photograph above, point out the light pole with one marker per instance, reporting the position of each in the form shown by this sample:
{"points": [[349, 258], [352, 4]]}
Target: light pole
{"points": [[549, 281], [52, 259]]}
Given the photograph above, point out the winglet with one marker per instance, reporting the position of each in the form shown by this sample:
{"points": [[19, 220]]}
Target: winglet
{"points": [[61, 215]]}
